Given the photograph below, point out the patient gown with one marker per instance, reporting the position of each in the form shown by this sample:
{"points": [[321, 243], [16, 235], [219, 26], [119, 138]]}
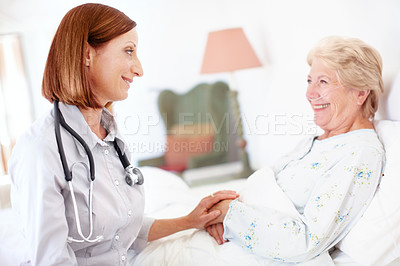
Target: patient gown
{"points": [[324, 187]]}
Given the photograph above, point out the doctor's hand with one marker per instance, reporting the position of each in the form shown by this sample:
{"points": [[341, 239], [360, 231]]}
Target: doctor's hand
{"points": [[217, 232], [198, 218], [222, 207], [204, 213]]}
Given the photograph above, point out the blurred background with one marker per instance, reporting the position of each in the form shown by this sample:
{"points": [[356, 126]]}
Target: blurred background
{"points": [[172, 40]]}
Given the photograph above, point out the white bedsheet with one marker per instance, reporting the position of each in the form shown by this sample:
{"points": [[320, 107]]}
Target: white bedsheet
{"points": [[196, 247]]}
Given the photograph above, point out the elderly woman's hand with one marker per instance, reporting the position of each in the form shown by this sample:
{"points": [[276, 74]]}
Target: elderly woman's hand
{"points": [[206, 212], [215, 228], [217, 232]]}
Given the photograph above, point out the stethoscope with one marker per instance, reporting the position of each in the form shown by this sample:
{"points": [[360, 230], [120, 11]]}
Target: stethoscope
{"points": [[132, 175]]}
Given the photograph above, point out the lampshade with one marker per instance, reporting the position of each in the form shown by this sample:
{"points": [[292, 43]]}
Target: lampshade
{"points": [[228, 50]]}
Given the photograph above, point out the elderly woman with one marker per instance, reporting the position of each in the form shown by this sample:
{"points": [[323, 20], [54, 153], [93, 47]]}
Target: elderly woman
{"points": [[329, 179]]}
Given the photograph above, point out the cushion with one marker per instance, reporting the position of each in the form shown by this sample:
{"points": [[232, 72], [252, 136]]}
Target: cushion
{"points": [[375, 239], [186, 141]]}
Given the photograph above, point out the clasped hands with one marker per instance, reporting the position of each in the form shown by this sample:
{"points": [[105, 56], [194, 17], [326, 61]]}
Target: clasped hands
{"points": [[210, 213]]}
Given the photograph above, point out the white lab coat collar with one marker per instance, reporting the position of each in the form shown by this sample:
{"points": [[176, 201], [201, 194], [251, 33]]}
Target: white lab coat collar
{"points": [[74, 118]]}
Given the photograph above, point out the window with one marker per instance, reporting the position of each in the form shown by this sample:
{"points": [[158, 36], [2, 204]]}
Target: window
{"points": [[15, 100]]}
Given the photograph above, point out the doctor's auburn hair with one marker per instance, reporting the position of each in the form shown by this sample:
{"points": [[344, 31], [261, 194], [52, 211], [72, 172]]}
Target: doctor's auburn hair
{"points": [[65, 76]]}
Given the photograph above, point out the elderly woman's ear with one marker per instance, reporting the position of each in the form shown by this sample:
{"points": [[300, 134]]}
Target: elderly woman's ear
{"points": [[361, 96]]}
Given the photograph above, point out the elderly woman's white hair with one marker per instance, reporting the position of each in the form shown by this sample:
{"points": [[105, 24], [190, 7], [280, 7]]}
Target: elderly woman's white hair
{"points": [[357, 65]]}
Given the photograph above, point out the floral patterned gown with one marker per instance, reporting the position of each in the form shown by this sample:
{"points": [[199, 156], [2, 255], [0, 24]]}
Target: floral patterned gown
{"points": [[329, 184]]}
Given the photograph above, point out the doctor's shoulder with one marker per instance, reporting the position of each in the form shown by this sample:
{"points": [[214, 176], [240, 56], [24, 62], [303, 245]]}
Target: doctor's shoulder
{"points": [[40, 133], [37, 145]]}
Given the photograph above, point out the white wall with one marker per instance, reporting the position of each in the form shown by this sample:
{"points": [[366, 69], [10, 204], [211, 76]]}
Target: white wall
{"points": [[172, 37]]}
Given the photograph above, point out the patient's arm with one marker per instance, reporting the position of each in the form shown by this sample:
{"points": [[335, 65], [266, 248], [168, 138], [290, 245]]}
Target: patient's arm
{"points": [[198, 218]]}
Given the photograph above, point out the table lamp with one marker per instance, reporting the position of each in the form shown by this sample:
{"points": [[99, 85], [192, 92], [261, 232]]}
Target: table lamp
{"points": [[228, 51]]}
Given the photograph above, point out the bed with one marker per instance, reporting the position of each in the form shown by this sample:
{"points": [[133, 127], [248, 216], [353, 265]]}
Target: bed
{"points": [[375, 239]]}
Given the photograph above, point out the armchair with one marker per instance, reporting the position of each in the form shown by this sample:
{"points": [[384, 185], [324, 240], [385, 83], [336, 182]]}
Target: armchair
{"points": [[197, 127]]}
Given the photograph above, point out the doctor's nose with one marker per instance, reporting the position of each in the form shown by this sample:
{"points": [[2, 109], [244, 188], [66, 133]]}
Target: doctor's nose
{"points": [[136, 68]]}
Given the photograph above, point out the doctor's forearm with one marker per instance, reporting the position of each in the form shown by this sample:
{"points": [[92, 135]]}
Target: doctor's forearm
{"points": [[166, 227]]}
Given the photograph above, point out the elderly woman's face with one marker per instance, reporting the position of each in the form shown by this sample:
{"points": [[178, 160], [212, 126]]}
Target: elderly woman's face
{"points": [[334, 105]]}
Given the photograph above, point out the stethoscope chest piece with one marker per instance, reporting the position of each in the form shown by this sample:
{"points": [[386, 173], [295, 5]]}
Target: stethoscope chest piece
{"points": [[133, 176]]}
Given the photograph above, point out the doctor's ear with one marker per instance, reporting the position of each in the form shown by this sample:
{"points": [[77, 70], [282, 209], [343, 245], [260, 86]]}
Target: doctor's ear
{"points": [[89, 53]]}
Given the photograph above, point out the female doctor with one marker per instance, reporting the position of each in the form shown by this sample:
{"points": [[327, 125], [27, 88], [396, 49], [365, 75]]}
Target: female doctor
{"points": [[78, 198]]}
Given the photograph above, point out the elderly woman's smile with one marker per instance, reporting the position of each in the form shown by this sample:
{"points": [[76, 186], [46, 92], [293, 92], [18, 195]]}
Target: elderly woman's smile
{"points": [[321, 106]]}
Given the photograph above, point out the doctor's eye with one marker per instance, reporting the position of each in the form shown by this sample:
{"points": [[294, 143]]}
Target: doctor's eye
{"points": [[309, 81], [129, 51]]}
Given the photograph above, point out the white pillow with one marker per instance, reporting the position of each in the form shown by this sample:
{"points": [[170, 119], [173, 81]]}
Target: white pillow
{"points": [[162, 189], [392, 106], [375, 239]]}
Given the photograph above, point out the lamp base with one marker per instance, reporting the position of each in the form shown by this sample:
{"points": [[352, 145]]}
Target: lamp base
{"points": [[241, 143], [246, 169]]}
